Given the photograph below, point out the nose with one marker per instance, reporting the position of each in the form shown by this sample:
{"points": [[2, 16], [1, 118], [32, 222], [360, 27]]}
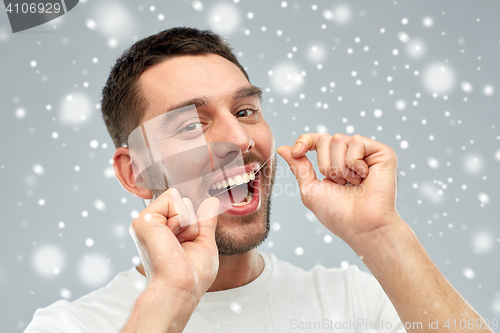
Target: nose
{"points": [[231, 130]]}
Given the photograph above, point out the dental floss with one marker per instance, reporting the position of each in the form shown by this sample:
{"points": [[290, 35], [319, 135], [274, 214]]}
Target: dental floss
{"points": [[254, 172]]}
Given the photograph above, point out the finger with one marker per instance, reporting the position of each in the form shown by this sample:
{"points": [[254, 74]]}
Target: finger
{"points": [[168, 204], [376, 152], [188, 234], [190, 214], [165, 210], [324, 159], [191, 230], [305, 142], [338, 180], [182, 210], [179, 222], [207, 215], [158, 214], [338, 146], [323, 154], [355, 155], [301, 167]]}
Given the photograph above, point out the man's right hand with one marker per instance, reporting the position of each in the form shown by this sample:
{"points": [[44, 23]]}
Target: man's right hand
{"points": [[180, 263], [184, 258]]}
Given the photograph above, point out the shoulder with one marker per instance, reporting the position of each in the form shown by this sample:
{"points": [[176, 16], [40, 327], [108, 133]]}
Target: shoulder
{"points": [[55, 318], [107, 306], [123, 289]]}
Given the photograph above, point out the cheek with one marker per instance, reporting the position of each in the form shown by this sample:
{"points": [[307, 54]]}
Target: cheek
{"points": [[187, 165], [264, 140]]}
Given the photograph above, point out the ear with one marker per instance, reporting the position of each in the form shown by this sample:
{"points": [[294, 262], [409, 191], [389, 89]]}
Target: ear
{"points": [[122, 164]]}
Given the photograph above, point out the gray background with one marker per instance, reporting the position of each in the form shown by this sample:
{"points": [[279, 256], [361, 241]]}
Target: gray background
{"points": [[448, 186]]}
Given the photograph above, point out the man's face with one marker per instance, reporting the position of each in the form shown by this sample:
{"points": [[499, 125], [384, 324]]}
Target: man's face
{"points": [[228, 108]]}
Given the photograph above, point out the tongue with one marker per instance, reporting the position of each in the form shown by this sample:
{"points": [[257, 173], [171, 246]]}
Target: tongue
{"points": [[236, 194]]}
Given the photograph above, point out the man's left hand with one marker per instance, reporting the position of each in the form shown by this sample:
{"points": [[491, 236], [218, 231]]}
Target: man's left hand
{"points": [[358, 194]]}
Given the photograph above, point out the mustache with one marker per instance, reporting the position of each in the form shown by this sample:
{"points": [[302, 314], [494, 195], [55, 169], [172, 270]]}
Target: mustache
{"points": [[230, 162], [251, 158]]}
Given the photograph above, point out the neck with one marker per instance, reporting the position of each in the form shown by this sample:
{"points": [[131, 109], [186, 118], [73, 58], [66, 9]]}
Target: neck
{"points": [[238, 270], [234, 271]]}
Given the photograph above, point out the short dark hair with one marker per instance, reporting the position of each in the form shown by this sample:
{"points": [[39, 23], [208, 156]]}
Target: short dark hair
{"points": [[123, 104]]}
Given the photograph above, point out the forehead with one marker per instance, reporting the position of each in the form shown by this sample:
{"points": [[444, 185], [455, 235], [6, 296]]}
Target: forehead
{"points": [[186, 77]]}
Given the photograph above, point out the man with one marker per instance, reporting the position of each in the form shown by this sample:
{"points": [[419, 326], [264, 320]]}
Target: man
{"points": [[201, 271]]}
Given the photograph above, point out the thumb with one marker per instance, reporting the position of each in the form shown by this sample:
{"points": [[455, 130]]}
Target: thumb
{"points": [[301, 167], [207, 218]]}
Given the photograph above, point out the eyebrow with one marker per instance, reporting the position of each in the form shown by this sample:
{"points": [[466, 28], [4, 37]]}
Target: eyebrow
{"points": [[247, 92], [243, 92]]}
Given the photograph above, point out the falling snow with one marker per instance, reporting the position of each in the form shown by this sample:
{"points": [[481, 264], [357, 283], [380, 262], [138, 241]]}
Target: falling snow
{"points": [[235, 307], [20, 113], [415, 80], [224, 18], [466, 86], [65, 293], [112, 20], [48, 260], [469, 273], [428, 22], [482, 242], [94, 270], [342, 14], [439, 78], [75, 109], [473, 164], [488, 90], [483, 197], [433, 163], [286, 78], [38, 169], [416, 49], [99, 205]]}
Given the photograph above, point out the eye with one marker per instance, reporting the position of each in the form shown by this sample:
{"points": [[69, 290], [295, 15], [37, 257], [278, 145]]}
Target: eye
{"points": [[243, 113], [192, 127]]}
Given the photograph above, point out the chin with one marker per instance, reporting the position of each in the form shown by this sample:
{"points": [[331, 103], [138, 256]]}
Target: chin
{"points": [[239, 234], [241, 231]]}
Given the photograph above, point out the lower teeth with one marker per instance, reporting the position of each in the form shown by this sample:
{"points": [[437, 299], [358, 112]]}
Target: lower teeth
{"points": [[248, 199]]}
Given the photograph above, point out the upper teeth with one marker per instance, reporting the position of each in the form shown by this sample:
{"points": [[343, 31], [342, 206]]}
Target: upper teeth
{"points": [[236, 180]]}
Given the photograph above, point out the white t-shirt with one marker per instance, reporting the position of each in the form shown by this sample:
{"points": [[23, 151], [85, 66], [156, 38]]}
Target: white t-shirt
{"points": [[283, 298]]}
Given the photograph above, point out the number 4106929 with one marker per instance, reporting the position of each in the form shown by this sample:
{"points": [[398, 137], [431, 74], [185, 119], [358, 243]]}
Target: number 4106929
{"points": [[471, 324], [32, 8]]}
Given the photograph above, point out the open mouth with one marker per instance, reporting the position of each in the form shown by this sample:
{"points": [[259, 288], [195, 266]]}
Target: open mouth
{"points": [[236, 190]]}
